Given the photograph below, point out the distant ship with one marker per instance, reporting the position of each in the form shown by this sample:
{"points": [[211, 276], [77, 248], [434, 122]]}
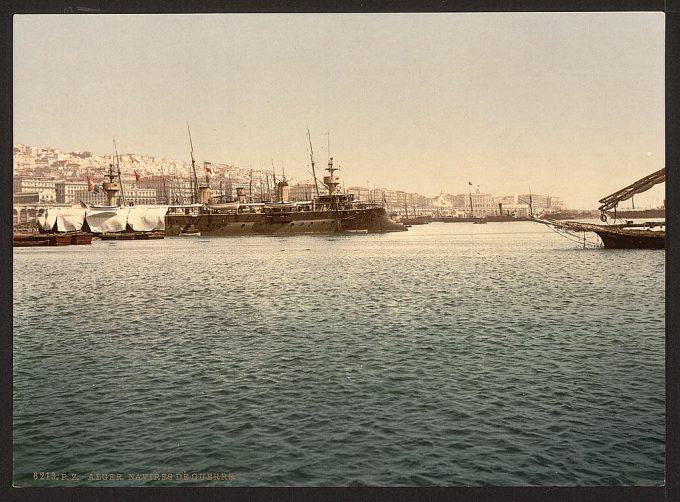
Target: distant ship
{"points": [[329, 213]]}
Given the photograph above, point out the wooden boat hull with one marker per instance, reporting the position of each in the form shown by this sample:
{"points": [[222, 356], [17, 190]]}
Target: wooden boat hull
{"points": [[30, 240], [60, 240], [619, 237], [81, 239], [632, 239], [26, 240]]}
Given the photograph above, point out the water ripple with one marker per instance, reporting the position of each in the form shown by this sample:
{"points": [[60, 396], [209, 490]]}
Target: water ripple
{"points": [[445, 356]]}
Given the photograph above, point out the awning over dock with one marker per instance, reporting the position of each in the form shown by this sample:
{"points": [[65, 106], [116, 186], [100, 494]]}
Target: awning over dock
{"points": [[147, 219], [104, 219], [70, 219]]}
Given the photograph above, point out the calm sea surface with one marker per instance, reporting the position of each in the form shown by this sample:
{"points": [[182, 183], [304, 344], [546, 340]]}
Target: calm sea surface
{"points": [[452, 354]]}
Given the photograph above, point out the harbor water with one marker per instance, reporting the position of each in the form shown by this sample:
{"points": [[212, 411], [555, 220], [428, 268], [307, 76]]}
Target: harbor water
{"points": [[452, 354]]}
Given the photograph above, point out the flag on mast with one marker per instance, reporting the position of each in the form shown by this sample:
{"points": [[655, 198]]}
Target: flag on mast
{"points": [[137, 176], [90, 186]]}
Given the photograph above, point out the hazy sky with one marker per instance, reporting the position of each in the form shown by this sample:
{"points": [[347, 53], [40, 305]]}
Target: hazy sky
{"points": [[570, 104]]}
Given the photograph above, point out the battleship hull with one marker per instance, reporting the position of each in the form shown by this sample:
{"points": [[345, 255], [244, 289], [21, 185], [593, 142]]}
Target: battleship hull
{"points": [[372, 220]]}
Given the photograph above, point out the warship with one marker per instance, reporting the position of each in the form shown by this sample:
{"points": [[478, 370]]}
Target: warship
{"points": [[329, 213]]}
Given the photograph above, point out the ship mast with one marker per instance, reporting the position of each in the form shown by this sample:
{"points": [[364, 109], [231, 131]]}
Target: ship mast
{"points": [[122, 193], [165, 190], [261, 190], [175, 187], [311, 154], [194, 180]]}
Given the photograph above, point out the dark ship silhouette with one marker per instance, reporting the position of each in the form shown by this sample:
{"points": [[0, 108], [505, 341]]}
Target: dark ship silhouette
{"points": [[329, 213]]}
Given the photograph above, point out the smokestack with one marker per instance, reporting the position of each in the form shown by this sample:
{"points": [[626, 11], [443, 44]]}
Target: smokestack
{"points": [[283, 191], [241, 195]]}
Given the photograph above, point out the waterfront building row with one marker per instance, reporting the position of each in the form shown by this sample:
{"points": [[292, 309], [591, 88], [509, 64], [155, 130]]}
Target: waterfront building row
{"points": [[175, 190], [45, 190], [486, 204]]}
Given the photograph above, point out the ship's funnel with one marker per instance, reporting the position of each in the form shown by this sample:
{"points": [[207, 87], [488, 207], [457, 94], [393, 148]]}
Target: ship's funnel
{"points": [[282, 191], [203, 194], [241, 195], [111, 187]]}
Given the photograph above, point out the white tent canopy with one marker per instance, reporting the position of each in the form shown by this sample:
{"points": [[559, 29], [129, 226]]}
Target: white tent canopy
{"points": [[48, 219], [70, 219], [147, 219], [104, 219]]}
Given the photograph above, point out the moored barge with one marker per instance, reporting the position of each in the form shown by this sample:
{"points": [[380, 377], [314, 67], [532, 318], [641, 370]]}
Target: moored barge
{"points": [[50, 239]]}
